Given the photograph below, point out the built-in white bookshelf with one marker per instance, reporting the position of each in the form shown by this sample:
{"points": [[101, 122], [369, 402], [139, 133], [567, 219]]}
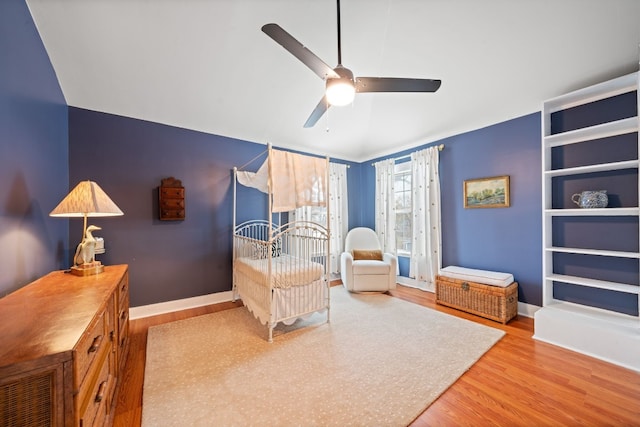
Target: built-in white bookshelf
{"points": [[600, 332]]}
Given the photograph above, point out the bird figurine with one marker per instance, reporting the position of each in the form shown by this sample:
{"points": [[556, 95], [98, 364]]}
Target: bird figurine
{"points": [[86, 251]]}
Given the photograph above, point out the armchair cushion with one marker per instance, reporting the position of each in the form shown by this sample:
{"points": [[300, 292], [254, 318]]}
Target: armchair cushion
{"points": [[368, 254], [365, 266]]}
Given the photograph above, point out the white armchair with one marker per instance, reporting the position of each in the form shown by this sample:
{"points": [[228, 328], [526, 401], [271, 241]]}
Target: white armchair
{"points": [[363, 265]]}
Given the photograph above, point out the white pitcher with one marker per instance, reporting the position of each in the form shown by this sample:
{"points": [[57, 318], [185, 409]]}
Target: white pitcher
{"points": [[591, 199]]}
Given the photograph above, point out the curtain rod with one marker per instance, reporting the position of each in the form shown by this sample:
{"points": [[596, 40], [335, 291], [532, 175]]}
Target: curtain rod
{"points": [[440, 148]]}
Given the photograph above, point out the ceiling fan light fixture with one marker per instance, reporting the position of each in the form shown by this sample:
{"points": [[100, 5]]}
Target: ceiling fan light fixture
{"points": [[340, 91], [340, 86]]}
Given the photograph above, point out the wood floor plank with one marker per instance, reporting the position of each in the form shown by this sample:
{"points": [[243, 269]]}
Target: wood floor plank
{"points": [[518, 382]]}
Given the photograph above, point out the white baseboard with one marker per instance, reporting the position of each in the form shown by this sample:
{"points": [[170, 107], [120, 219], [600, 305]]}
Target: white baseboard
{"points": [[142, 311], [177, 305], [527, 310], [408, 281]]}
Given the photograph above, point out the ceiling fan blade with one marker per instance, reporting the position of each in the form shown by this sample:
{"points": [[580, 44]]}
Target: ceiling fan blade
{"points": [[391, 84], [296, 48], [320, 109]]}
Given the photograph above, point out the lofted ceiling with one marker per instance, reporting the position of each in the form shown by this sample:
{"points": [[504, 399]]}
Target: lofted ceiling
{"points": [[206, 65]]}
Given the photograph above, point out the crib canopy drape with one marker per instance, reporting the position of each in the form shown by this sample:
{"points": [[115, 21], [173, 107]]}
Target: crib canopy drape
{"points": [[296, 180]]}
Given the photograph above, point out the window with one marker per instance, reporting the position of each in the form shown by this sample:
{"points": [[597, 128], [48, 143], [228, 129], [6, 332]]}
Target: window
{"points": [[402, 190], [319, 215]]}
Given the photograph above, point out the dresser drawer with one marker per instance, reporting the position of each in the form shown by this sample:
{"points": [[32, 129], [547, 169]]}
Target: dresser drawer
{"points": [[123, 313], [172, 204], [123, 346], [172, 214], [111, 321], [123, 319], [89, 347], [97, 401], [171, 193], [123, 293], [123, 326]]}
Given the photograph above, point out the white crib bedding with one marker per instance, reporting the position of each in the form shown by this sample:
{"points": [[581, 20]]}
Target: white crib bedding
{"points": [[286, 270], [286, 304]]}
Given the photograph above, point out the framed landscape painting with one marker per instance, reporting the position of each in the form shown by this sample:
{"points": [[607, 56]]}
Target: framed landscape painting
{"points": [[490, 192]]}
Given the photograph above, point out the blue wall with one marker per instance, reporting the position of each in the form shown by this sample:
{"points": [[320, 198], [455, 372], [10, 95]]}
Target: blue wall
{"points": [[47, 148], [33, 153], [500, 239], [128, 158], [173, 260]]}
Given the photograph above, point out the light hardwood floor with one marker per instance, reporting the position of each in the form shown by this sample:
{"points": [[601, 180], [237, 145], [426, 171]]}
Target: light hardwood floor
{"points": [[519, 382]]}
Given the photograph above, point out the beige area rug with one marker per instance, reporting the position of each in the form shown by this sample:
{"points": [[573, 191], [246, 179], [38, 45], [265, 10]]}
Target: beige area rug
{"points": [[379, 362]]}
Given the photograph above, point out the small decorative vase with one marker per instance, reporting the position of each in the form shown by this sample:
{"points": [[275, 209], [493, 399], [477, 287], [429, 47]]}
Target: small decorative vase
{"points": [[591, 199]]}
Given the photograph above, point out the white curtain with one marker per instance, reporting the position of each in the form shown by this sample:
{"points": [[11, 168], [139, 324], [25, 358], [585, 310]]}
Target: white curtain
{"points": [[338, 213], [385, 205], [426, 254]]}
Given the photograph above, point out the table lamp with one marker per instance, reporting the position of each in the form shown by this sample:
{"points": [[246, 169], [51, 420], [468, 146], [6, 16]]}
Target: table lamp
{"points": [[87, 199]]}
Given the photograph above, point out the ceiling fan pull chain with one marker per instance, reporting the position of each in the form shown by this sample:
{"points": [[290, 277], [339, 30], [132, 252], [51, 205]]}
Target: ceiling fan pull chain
{"points": [[326, 121]]}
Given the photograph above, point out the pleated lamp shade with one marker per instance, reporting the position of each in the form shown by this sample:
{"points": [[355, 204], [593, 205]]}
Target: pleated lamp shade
{"points": [[87, 199]]}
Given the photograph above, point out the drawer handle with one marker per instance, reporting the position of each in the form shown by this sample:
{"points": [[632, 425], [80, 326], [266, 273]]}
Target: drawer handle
{"points": [[101, 390], [123, 314], [95, 345], [465, 286]]}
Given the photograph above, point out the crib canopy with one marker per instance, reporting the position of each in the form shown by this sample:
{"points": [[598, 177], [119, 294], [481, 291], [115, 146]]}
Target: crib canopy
{"points": [[293, 180]]}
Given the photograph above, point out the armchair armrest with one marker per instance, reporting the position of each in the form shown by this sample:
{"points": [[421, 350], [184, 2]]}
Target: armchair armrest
{"points": [[346, 269], [389, 258]]}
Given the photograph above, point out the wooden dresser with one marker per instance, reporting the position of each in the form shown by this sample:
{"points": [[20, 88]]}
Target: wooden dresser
{"points": [[63, 344]]}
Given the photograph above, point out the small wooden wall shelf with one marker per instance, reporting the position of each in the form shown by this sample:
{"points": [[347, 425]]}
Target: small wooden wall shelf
{"points": [[171, 200]]}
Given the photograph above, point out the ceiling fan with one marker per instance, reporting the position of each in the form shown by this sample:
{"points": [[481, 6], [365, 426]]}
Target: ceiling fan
{"points": [[340, 83]]}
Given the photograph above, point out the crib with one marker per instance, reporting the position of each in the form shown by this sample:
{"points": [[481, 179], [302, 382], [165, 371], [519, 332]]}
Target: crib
{"points": [[281, 272]]}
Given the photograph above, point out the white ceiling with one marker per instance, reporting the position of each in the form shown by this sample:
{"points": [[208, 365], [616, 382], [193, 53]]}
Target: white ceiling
{"points": [[206, 65]]}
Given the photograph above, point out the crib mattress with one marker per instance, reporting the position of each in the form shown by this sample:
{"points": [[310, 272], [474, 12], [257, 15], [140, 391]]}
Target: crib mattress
{"points": [[286, 270], [493, 278]]}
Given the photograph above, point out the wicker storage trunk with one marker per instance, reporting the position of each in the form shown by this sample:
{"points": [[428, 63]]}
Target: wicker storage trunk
{"points": [[493, 302]]}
